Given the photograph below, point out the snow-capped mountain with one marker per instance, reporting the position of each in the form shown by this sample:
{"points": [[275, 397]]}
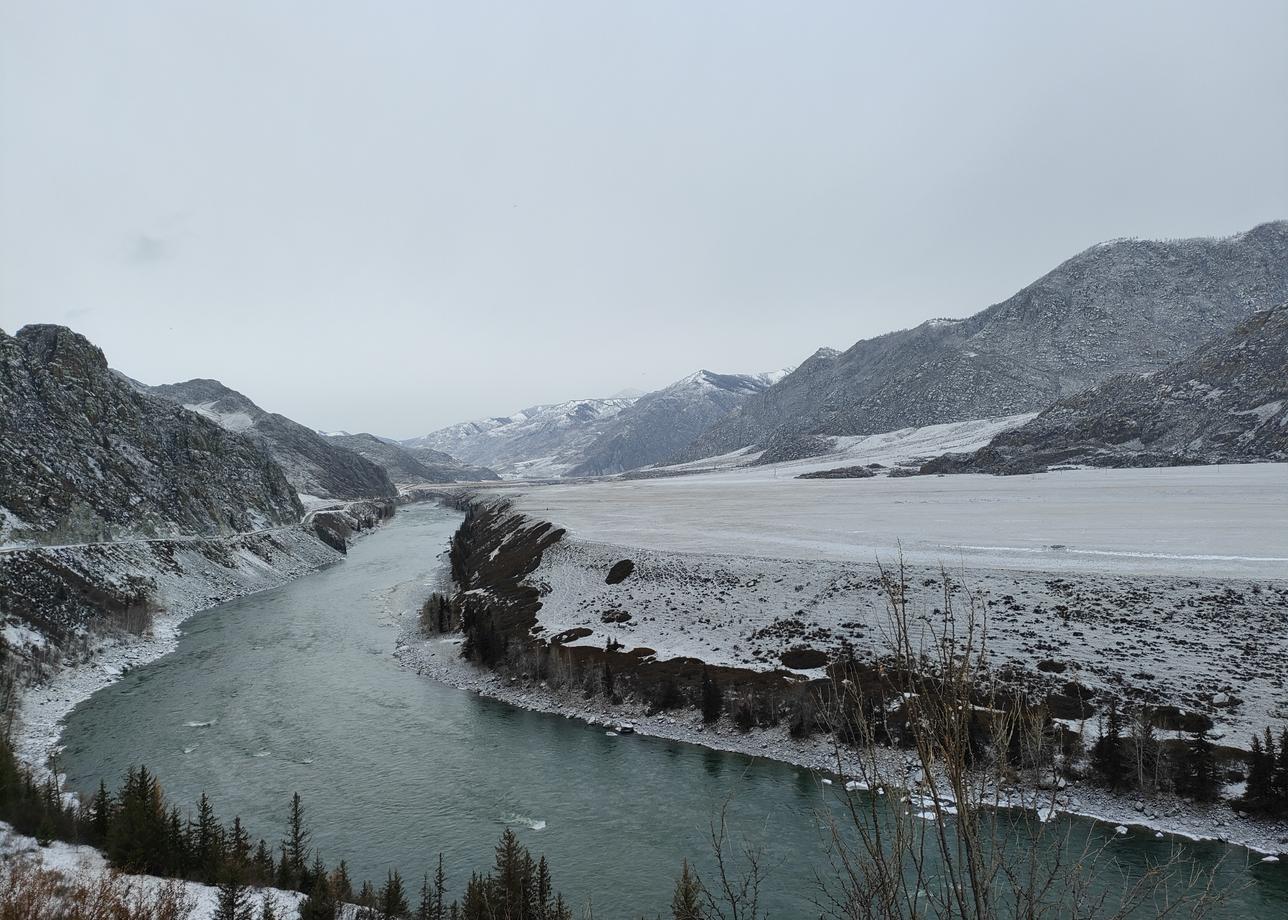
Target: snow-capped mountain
{"points": [[412, 466], [662, 423], [539, 442], [1122, 306], [85, 457], [315, 465], [1226, 403]]}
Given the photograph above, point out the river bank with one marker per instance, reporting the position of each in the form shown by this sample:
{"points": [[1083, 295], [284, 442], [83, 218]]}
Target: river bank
{"points": [[439, 659], [187, 578]]}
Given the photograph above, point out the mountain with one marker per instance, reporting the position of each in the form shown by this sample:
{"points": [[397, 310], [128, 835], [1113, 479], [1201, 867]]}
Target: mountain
{"points": [[660, 424], [85, 457], [412, 466], [1226, 403], [1122, 306], [540, 442], [315, 465]]}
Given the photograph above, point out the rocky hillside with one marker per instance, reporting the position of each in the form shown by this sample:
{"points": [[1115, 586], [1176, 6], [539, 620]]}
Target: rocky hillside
{"points": [[315, 465], [85, 457], [661, 424], [1226, 403], [544, 441], [1122, 306], [412, 466]]}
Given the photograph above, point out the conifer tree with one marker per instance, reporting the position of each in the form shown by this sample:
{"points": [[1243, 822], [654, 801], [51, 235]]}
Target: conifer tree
{"points": [[101, 814], [1200, 779], [268, 911], [712, 699], [1107, 754], [206, 841], [686, 903], [392, 901], [320, 903], [297, 841], [233, 900], [341, 885], [440, 890], [1261, 774]]}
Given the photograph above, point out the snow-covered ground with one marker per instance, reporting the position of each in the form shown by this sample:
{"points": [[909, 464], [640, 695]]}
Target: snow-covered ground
{"points": [[88, 863], [892, 448], [1168, 586], [1210, 521]]}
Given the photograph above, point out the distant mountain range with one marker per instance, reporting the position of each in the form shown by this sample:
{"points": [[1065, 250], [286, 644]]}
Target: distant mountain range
{"points": [[591, 437], [85, 457], [1225, 403], [412, 466], [539, 442], [1122, 306]]}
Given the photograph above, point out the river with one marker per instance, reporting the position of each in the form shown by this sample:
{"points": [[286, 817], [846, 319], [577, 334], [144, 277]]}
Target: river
{"points": [[296, 690]]}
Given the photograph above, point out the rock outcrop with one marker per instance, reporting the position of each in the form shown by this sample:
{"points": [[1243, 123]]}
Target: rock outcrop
{"points": [[85, 457]]}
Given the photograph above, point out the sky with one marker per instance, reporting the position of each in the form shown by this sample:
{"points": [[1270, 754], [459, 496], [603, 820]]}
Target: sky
{"points": [[391, 216]]}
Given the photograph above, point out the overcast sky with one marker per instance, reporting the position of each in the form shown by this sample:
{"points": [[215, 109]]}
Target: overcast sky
{"points": [[390, 216]]}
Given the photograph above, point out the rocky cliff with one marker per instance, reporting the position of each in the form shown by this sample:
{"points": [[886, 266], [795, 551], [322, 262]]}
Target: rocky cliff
{"points": [[85, 457]]}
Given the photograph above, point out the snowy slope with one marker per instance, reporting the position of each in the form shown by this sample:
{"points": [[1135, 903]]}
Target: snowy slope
{"points": [[662, 423], [539, 442]]}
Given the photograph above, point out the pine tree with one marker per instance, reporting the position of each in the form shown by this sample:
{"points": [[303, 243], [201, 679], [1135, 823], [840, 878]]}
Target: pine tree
{"points": [[206, 841], [392, 901], [425, 906], [686, 904], [341, 885], [297, 841], [1281, 772], [1261, 774], [440, 890], [101, 814], [320, 903], [712, 699], [509, 874], [233, 899], [544, 890], [268, 911], [1199, 773], [1107, 755]]}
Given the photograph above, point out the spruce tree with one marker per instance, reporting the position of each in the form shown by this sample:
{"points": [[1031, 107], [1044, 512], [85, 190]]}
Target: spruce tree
{"points": [[1199, 768], [712, 699], [686, 903], [320, 903], [233, 899], [268, 911], [101, 815], [440, 890], [392, 901], [206, 841], [1261, 775], [341, 884], [1107, 755], [297, 841]]}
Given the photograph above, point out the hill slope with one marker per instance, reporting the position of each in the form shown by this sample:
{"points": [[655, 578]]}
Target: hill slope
{"points": [[660, 424], [313, 464], [411, 466], [84, 457], [1122, 306], [1226, 403]]}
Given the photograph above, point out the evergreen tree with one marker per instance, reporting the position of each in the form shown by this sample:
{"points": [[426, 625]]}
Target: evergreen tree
{"points": [[712, 699], [686, 904], [263, 863], [341, 885], [269, 909], [1281, 771], [1198, 768], [320, 903], [233, 900], [206, 838], [1260, 792], [101, 815], [392, 901], [544, 891], [1107, 755], [297, 841], [440, 890], [425, 906]]}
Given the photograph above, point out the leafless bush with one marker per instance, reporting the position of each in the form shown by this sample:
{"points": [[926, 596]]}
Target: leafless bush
{"points": [[30, 892]]}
